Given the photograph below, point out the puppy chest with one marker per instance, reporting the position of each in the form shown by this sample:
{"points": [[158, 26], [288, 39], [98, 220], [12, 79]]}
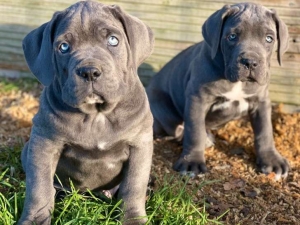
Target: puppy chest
{"points": [[237, 106], [106, 155], [235, 100], [92, 168]]}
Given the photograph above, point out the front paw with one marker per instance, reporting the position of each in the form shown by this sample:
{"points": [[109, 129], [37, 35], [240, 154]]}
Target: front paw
{"points": [[25, 222], [40, 216], [135, 222], [134, 219], [190, 165], [271, 161], [39, 221]]}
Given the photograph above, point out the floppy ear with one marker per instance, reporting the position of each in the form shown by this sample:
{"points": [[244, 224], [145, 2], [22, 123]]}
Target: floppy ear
{"points": [[139, 35], [282, 36], [38, 51], [212, 28]]}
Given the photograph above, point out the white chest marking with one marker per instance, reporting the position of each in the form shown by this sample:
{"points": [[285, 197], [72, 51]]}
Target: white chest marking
{"points": [[100, 118], [236, 94], [110, 165], [102, 144]]}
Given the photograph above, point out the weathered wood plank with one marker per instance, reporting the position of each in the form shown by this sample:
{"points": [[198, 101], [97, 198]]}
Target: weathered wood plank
{"points": [[287, 98], [278, 3], [286, 79], [13, 50], [285, 89], [204, 10], [177, 29], [10, 36], [170, 51], [196, 3], [14, 73], [286, 64], [14, 66], [284, 72]]}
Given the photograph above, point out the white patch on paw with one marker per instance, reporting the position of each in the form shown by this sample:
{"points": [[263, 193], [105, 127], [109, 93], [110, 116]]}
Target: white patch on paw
{"points": [[280, 176], [210, 140]]}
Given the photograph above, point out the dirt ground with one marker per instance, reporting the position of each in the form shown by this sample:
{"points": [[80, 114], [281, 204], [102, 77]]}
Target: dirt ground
{"points": [[251, 198]]}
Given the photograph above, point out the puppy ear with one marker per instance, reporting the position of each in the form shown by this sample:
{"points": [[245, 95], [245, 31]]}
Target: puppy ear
{"points": [[282, 36], [212, 28], [38, 51], [139, 35]]}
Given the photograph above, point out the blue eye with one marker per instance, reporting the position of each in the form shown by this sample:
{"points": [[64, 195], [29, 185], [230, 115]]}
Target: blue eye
{"points": [[269, 39], [232, 37], [64, 47], [113, 41]]}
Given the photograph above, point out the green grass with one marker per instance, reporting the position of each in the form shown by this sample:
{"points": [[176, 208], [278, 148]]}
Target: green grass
{"points": [[170, 204]]}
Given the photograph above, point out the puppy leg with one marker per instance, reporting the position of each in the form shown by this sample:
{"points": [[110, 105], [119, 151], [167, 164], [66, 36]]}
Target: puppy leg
{"points": [[39, 158], [194, 140], [166, 118], [268, 158], [24, 156], [134, 185]]}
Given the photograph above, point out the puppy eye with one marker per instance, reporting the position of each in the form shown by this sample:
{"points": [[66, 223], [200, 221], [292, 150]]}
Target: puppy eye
{"points": [[64, 47], [113, 41], [269, 39], [232, 37]]}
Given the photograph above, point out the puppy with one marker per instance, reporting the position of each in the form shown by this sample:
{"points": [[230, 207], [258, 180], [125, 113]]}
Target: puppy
{"points": [[94, 124], [220, 79]]}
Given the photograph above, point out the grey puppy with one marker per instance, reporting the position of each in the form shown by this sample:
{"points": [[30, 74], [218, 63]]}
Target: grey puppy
{"points": [[94, 124], [222, 78]]}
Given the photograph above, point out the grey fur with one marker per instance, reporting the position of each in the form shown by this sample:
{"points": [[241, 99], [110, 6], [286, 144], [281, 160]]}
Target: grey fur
{"points": [[94, 124], [222, 78]]}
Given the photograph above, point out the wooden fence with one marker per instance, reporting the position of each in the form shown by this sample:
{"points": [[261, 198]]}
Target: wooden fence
{"points": [[176, 24]]}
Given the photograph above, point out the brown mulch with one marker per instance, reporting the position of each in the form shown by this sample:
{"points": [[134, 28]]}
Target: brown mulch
{"points": [[251, 198]]}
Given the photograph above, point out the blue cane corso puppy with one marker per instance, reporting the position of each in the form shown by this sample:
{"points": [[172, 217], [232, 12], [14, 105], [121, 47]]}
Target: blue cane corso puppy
{"points": [[94, 124], [220, 79]]}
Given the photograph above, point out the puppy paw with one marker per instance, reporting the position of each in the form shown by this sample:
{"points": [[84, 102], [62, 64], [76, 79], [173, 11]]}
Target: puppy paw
{"points": [[271, 161], [38, 215], [134, 222], [134, 219], [190, 166], [25, 222], [39, 221]]}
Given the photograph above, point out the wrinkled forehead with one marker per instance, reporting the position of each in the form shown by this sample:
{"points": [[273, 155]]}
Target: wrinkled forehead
{"points": [[252, 17], [88, 18]]}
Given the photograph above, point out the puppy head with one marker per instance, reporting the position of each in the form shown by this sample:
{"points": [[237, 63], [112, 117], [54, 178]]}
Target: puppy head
{"points": [[91, 51], [245, 35]]}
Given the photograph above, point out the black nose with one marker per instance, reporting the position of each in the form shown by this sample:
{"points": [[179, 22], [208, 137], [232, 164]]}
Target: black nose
{"points": [[249, 63], [89, 73]]}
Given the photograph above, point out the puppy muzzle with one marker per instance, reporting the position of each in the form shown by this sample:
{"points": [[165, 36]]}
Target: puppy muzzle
{"points": [[251, 69], [89, 73]]}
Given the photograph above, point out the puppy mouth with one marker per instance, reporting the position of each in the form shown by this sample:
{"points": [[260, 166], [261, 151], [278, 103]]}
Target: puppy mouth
{"points": [[94, 101], [260, 79], [248, 79], [94, 98]]}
